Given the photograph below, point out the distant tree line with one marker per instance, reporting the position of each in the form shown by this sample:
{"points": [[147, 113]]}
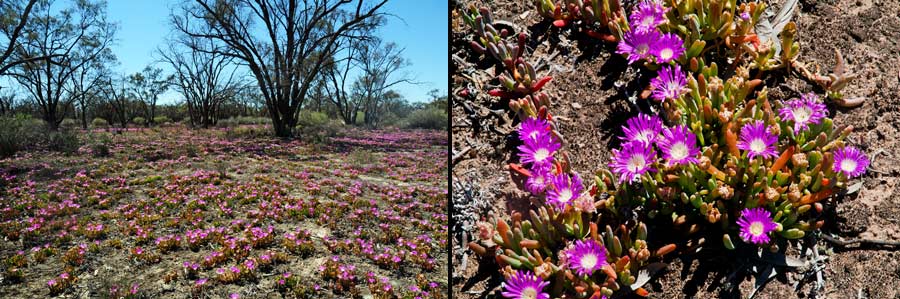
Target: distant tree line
{"points": [[228, 58]]}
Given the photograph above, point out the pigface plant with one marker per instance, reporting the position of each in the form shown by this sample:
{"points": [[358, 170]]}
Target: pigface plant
{"points": [[715, 157]]}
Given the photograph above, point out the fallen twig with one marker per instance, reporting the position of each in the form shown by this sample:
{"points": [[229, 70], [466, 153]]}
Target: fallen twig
{"points": [[462, 153], [841, 242]]}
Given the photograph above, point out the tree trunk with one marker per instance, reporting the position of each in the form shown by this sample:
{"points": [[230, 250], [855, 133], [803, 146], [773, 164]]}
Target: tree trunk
{"points": [[83, 118]]}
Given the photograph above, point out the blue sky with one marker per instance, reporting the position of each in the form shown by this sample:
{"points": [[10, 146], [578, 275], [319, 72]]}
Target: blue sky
{"points": [[144, 26]]}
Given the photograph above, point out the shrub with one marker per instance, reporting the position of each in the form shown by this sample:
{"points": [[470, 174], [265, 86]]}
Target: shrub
{"points": [[99, 123], [312, 118], [19, 132], [429, 118], [161, 120], [100, 147], [68, 124], [139, 121], [227, 123], [317, 127], [63, 141]]}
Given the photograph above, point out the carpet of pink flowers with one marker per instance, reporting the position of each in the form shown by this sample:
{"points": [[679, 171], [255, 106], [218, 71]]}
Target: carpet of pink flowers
{"points": [[180, 213]]}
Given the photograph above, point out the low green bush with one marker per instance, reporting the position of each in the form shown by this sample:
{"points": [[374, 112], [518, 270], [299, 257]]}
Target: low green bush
{"points": [[161, 120], [99, 123], [19, 132], [429, 118]]}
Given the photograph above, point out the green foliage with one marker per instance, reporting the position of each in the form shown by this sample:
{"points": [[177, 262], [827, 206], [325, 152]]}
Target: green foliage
{"points": [[360, 119], [139, 121], [243, 120], [312, 118], [64, 141], [68, 124], [100, 146], [99, 123], [241, 132], [317, 127], [19, 132], [429, 118], [161, 120]]}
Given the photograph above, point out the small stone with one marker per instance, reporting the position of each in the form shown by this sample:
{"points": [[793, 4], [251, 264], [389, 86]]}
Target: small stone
{"points": [[576, 105]]}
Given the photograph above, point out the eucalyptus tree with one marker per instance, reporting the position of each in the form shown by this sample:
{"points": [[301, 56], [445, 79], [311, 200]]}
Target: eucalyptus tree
{"points": [[14, 15], [204, 78], [71, 38], [146, 86], [284, 43]]}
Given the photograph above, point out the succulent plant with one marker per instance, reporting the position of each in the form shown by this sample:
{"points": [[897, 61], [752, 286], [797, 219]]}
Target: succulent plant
{"points": [[601, 19], [720, 158], [519, 78]]}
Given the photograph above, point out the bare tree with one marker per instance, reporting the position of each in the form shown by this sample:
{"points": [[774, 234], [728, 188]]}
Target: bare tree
{"points": [[336, 77], [204, 78], [73, 37], [146, 86], [85, 85], [14, 15], [380, 64], [116, 91], [299, 39], [7, 100]]}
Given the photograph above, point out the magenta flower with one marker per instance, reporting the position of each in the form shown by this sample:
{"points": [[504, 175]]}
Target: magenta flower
{"points": [[540, 151], [637, 44], [525, 285], [647, 15], [669, 83], [755, 225], [532, 128], [642, 128], [850, 161], [564, 190], [758, 140], [540, 175], [679, 146], [669, 47], [632, 161], [804, 111], [586, 257]]}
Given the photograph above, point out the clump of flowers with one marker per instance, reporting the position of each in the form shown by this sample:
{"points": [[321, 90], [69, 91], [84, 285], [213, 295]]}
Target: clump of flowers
{"points": [[75, 255], [94, 231], [168, 243], [190, 269], [298, 287], [261, 237], [124, 292], [61, 284], [380, 287], [343, 276], [143, 256], [198, 286], [299, 242]]}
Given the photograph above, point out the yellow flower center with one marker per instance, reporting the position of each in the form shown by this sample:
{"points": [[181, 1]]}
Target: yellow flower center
{"points": [[666, 54], [565, 195], [801, 114], [756, 228], [541, 154], [848, 165], [588, 261], [678, 151], [636, 162], [529, 293], [643, 48], [757, 145]]}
